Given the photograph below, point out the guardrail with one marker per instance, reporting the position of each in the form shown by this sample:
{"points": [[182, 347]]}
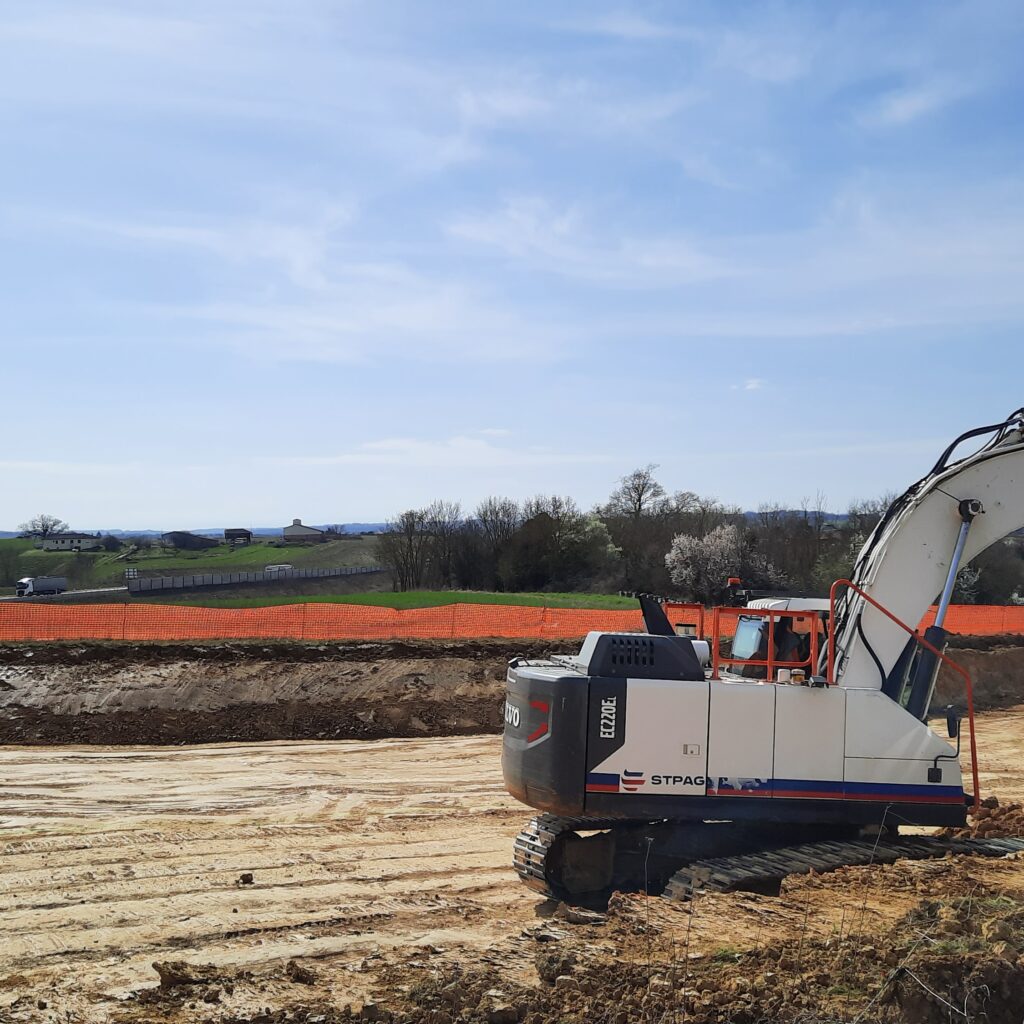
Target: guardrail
{"points": [[152, 584]]}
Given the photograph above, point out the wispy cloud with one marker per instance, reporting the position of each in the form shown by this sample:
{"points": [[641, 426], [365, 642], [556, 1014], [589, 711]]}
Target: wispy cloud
{"points": [[69, 468], [630, 26], [558, 241], [768, 52], [488, 107], [299, 244], [902, 106], [459, 452]]}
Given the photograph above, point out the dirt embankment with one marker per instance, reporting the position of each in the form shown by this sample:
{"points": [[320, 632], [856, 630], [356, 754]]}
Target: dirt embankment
{"points": [[229, 691], [276, 690], [996, 668]]}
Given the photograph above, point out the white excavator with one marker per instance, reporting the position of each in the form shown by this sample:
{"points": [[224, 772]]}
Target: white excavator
{"points": [[659, 764]]}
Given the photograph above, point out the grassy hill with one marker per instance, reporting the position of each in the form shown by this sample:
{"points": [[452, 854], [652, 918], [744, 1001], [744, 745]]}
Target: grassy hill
{"points": [[19, 558], [416, 599]]}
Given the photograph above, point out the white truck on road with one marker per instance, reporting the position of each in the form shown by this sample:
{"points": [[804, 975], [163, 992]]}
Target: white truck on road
{"points": [[41, 585]]}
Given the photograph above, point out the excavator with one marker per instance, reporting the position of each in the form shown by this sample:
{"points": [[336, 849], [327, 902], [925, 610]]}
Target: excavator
{"points": [[657, 765]]}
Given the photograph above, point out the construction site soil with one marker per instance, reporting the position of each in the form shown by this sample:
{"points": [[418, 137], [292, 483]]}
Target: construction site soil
{"points": [[236, 690], [302, 881], [227, 691]]}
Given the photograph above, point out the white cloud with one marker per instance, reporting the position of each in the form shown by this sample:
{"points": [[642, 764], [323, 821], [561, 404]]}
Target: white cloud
{"points": [[903, 106], [700, 167], [630, 26], [105, 30], [299, 244], [767, 52], [460, 452], [55, 467], [492, 106], [555, 240], [295, 296]]}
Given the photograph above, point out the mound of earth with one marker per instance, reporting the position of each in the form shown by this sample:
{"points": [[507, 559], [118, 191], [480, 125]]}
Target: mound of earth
{"points": [[205, 693], [219, 691], [996, 668], [993, 820]]}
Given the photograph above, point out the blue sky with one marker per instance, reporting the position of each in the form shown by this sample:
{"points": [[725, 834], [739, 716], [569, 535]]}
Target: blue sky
{"points": [[334, 259]]}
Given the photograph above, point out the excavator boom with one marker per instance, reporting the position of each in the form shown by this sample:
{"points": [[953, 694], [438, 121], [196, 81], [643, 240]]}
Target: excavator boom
{"points": [[906, 561]]}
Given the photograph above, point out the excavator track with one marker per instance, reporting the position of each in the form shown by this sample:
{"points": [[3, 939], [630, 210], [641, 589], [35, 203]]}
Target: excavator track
{"points": [[532, 848], [761, 871], [538, 858]]}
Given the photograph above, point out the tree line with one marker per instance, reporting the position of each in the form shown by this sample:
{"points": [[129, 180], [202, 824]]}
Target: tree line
{"points": [[644, 538]]}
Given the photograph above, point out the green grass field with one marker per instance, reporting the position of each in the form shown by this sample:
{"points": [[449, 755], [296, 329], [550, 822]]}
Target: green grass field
{"points": [[417, 599], [101, 568]]}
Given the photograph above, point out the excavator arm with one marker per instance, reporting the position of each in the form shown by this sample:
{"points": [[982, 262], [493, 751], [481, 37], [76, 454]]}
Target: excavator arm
{"points": [[936, 527]]}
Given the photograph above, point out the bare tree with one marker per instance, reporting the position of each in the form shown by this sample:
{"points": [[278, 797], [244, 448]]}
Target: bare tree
{"points": [[404, 546], [865, 514], [499, 519], [43, 525], [637, 495], [443, 519]]}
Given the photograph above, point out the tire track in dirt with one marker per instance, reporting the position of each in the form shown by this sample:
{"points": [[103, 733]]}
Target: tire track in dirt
{"points": [[361, 851], [113, 858]]}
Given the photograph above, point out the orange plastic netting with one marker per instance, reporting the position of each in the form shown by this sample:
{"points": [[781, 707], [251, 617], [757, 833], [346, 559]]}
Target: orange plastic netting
{"points": [[364, 622], [302, 622]]}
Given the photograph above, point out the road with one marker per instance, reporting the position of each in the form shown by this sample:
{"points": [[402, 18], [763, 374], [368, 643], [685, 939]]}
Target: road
{"points": [[113, 858], [67, 593]]}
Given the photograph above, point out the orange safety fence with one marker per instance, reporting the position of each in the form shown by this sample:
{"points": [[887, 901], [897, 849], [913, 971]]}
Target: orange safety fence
{"points": [[304, 622], [365, 622], [966, 619], [979, 619]]}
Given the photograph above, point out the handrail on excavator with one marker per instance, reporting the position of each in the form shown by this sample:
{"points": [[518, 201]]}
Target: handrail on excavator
{"points": [[968, 684], [770, 663]]}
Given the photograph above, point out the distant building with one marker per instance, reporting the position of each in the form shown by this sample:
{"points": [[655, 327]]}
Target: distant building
{"points": [[69, 542], [238, 537], [299, 534], [185, 541]]}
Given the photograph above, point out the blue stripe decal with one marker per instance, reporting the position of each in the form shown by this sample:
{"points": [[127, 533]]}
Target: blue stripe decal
{"points": [[866, 788], [602, 779]]}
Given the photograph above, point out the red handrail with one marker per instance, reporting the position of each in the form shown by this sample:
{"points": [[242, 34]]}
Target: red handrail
{"points": [[674, 609], [968, 685], [771, 614]]}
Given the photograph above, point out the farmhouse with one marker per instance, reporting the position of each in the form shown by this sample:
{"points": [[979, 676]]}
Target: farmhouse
{"points": [[182, 540], [297, 533], [69, 542]]}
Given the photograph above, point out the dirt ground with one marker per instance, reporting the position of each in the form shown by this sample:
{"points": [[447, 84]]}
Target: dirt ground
{"points": [[321, 881], [357, 865]]}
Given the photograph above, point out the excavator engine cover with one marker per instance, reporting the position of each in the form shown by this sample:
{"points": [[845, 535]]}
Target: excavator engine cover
{"points": [[564, 713]]}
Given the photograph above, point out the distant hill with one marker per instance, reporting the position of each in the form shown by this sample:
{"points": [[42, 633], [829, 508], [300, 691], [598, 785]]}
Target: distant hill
{"points": [[218, 531], [275, 531]]}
